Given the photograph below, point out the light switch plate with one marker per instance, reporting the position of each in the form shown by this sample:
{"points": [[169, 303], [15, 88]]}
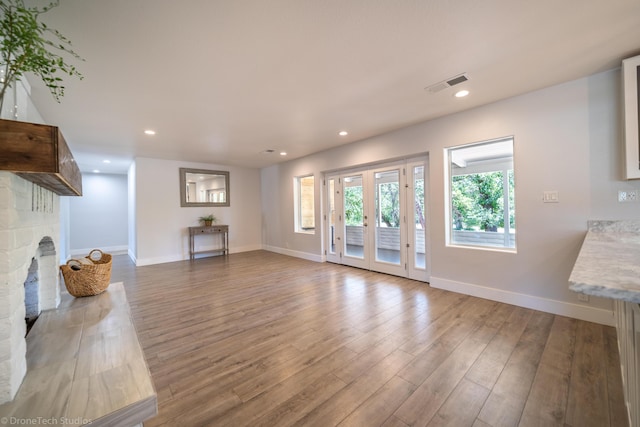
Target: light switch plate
{"points": [[550, 197]]}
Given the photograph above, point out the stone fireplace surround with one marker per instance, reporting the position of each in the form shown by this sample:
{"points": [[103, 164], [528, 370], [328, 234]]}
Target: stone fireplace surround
{"points": [[29, 228], [98, 376]]}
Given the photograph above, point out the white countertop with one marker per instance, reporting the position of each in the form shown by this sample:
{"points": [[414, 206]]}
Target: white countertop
{"points": [[608, 264]]}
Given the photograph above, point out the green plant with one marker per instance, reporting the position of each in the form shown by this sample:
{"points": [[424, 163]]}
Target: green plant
{"points": [[477, 201], [353, 207], [28, 45], [210, 217]]}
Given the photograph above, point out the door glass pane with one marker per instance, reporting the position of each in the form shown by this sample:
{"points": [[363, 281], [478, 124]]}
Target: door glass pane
{"points": [[332, 215], [354, 216], [419, 247], [387, 240]]}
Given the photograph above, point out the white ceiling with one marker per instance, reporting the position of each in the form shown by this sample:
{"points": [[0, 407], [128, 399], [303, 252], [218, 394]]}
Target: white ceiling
{"points": [[222, 81]]}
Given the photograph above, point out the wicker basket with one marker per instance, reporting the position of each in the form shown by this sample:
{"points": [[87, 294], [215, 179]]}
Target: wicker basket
{"points": [[87, 276]]}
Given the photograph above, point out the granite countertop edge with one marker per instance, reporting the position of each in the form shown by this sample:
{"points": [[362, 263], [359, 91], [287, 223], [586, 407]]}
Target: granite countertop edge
{"points": [[608, 264]]}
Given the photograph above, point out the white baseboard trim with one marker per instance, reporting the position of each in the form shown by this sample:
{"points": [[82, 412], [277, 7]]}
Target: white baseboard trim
{"points": [[297, 254], [179, 257], [248, 248], [576, 311], [113, 250], [140, 262]]}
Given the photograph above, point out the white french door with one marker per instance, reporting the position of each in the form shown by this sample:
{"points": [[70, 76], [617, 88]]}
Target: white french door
{"points": [[376, 219], [418, 265], [353, 225]]}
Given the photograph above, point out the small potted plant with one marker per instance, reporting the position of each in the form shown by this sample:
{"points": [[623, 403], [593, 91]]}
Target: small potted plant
{"points": [[208, 220]]}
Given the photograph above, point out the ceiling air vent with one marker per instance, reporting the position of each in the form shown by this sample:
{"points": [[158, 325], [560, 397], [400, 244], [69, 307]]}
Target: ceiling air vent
{"points": [[456, 80]]}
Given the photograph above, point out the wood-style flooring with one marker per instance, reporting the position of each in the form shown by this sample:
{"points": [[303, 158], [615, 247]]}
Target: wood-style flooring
{"points": [[262, 339]]}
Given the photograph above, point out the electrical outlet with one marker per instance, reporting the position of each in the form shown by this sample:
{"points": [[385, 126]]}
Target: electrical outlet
{"points": [[622, 196], [583, 297], [627, 196]]}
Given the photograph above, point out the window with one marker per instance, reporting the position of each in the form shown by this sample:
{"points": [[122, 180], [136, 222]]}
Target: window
{"points": [[481, 206], [304, 204]]}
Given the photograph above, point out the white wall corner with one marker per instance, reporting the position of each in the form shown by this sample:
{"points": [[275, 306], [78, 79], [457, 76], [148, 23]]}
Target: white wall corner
{"points": [[132, 256], [561, 308]]}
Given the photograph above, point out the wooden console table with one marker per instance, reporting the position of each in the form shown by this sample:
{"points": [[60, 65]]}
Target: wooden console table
{"points": [[207, 230]]}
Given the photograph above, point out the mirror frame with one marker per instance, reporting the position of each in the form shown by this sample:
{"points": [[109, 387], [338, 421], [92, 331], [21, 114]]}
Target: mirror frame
{"points": [[183, 188]]}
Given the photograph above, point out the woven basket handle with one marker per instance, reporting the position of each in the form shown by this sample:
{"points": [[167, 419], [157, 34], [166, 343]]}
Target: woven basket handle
{"points": [[74, 264], [90, 256]]}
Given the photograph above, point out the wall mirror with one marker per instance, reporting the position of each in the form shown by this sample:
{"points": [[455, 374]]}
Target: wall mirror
{"points": [[202, 187]]}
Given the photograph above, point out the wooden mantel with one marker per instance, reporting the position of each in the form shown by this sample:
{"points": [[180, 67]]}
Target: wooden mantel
{"points": [[39, 153]]}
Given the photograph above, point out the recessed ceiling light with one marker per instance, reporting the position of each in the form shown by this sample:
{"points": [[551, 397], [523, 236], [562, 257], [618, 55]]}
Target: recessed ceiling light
{"points": [[150, 132], [96, 171], [106, 161], [283, 153], [461, 93], [343, 133]]}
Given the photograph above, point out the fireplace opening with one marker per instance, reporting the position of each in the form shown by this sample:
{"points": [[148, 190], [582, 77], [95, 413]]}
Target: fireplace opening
{"points": [[32, 295]]}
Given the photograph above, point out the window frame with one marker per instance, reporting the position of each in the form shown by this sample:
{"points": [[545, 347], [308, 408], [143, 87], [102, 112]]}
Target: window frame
{"points": [[299, 209], [478, 168]]}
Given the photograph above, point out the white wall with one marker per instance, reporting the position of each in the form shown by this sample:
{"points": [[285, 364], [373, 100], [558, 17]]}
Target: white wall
{"points": [[131, 215], [98, 219], [566, 138], [64, 246], [161, 224]]}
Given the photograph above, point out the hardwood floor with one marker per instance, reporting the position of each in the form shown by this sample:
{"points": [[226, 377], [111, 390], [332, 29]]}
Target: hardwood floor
{"points": [[263, 339]]}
